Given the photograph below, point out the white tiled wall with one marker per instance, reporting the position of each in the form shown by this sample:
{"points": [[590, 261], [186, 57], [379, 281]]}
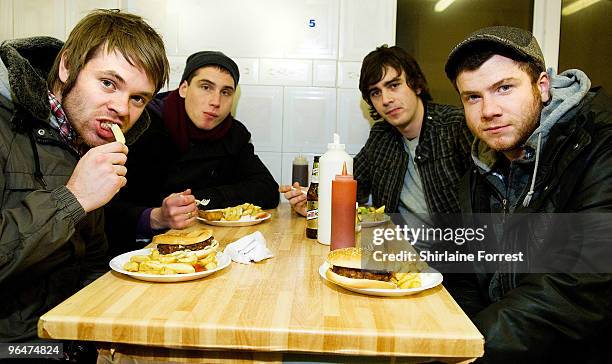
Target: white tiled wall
{"points": [[324, 73], [38, 17], [288, 72], [6, 19], [261, 109], [353, 119], [364, 25], [76, 9], [177, 65], [249, 70], [299, 60], [309, 119], [274, 163], [348, 74]]}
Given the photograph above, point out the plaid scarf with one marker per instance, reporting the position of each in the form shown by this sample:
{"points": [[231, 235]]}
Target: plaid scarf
{"points": [[60, 123]]}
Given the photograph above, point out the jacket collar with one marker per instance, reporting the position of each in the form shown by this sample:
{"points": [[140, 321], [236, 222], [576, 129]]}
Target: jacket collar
{"points": [[28, 61]]}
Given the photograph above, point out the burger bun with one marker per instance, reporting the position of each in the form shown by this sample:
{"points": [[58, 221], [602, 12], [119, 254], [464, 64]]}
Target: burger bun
{"points": [[182, 237]]}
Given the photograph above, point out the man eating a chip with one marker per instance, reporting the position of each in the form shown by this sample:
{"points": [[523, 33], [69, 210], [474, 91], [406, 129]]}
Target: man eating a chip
{"points": [[59, 156]]}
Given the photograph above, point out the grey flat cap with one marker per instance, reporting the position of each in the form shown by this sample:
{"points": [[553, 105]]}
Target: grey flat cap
{"points": [[518, 40]]}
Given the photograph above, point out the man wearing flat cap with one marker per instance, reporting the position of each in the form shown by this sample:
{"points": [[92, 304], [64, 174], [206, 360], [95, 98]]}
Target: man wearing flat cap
{"points": [[194, 148], [543, 163]]}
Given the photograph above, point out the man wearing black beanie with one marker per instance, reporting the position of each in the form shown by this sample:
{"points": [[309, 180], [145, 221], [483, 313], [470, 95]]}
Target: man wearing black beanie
{"points": [[194, 148]]}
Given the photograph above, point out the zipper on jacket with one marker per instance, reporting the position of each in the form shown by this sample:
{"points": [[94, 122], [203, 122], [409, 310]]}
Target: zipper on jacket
{"points": [[500, 198], [37, 171]]}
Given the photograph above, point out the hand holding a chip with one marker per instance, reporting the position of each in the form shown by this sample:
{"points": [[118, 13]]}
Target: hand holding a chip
{"points": [[99, 175]]}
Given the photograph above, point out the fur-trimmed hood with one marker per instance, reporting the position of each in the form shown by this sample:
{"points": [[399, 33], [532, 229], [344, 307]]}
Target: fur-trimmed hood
{"points": [[27, 62]]}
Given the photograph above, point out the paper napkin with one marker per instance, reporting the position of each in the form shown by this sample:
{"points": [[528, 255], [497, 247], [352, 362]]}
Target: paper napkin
{"points": [[249, 248]]}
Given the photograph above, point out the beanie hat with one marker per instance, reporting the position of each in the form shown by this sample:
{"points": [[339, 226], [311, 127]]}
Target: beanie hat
{"points": [[517, 40], [205, 58]]}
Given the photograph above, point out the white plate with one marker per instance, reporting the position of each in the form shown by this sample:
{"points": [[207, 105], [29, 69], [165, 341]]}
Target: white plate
{"points": [[429, 279], [116, 264], [367, 224], [234, 223]]}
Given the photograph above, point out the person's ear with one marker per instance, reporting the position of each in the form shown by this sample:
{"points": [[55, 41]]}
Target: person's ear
{"points": [[543, 84], [183, 89], [64, 73]]}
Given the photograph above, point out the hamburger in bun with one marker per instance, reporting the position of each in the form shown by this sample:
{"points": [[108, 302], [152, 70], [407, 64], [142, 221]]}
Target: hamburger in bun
{"points": [[345, 270], [201, 242]]}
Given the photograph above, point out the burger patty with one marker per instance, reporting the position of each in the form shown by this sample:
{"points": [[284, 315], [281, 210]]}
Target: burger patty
{"points": [[363, 273], [171, 248]]}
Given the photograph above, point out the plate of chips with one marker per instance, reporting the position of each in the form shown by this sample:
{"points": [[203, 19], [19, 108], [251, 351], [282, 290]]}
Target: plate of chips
{"points": [[119, 265], [242, 215]]}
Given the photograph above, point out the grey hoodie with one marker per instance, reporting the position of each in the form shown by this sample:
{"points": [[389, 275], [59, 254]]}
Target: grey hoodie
{"points": [[566, 91]]}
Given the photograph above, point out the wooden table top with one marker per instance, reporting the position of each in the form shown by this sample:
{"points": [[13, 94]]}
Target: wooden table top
{"points": [[278, 305]]}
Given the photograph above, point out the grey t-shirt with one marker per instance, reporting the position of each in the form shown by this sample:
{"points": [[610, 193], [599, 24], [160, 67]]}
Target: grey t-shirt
{"points": [[412, 197], [413, 205]]}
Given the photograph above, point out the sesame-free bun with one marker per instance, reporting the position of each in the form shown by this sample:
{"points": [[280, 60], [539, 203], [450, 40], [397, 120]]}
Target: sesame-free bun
{"points": [[345, 257], [183, 237], [199, 241]]}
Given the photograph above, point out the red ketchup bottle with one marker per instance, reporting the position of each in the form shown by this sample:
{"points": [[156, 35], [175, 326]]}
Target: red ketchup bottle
{"points": [[344, 197]]}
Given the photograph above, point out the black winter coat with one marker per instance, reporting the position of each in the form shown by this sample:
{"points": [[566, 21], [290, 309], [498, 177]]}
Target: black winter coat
{"points": [[550, 317], [226, 171]]}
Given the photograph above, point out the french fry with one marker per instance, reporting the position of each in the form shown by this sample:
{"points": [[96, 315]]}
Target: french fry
{"points": [[405, 280], [180, 262], [131, 266], [167, 259], [190, 259], [234, 213], [209, 258], [118, 133], [139, 258], [167, 271]]}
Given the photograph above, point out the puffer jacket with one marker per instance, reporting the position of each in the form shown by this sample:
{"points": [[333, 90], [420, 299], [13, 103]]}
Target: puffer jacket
{"points": [[49, 245], [551, 317]]}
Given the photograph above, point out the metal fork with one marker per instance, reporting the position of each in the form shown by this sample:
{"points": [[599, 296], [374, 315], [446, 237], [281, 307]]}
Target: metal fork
{"points": [[203, 202]]}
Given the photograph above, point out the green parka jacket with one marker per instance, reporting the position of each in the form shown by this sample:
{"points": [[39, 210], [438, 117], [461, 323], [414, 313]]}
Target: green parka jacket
{"points": [[49, 245]]}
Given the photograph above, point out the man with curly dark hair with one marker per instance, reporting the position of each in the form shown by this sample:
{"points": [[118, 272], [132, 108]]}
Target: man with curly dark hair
{"points": [[417, 150]]}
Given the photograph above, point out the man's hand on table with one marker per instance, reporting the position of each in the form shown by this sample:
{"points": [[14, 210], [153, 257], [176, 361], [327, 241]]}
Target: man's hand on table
{"points": [[295, 196]]}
